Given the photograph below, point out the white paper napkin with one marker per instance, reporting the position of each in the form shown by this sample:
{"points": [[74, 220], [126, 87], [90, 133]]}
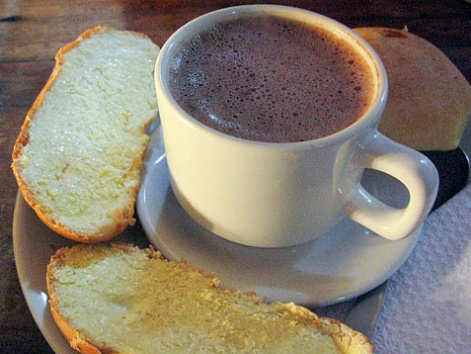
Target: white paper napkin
{"points": [[427, 306]]}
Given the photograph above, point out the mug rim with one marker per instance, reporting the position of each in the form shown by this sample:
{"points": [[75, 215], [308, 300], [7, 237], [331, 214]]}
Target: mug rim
{"points": [[369, 119]]}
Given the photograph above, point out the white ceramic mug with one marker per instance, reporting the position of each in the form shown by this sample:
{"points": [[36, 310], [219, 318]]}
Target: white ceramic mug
{"points": [[281, 194]]}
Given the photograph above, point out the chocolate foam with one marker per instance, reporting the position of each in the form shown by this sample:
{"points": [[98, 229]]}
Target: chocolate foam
{"points": [[271, 79]]}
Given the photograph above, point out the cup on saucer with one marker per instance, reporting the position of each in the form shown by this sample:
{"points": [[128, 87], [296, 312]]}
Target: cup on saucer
{"points": [[269, 117]]}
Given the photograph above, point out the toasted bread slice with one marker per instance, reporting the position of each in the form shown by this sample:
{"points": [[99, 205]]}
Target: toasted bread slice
{"points": [[117, 298], [78, 156]]}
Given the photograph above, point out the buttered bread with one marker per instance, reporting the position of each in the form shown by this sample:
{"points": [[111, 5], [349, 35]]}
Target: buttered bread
{"points": [[118, 298]]}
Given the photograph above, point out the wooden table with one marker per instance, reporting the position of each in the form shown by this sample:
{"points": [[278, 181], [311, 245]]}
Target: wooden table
{"points": [[31, 32]]}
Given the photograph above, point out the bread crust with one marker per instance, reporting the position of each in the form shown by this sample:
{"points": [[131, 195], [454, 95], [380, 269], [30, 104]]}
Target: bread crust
{"points": [[346, 339], [124, 216], [429, 101]]}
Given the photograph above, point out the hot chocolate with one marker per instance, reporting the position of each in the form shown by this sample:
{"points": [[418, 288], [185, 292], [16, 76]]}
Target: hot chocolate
{"points": [[271, 79]]}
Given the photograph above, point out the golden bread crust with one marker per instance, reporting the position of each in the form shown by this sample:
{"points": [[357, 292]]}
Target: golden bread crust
{"points": [[429, 100]]}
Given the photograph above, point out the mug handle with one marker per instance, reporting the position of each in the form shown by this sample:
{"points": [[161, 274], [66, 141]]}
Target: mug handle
{"points": [[411, 168]]}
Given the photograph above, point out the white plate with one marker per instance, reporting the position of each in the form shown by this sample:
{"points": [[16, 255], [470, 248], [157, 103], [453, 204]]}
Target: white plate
{"points": [[346, 263]]}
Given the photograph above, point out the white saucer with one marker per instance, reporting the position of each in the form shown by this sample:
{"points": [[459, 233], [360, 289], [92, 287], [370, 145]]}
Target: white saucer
{"points": [[344, 264]]}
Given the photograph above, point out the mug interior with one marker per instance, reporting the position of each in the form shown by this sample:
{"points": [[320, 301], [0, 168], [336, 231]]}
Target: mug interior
{"points": [[185, 34]]}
